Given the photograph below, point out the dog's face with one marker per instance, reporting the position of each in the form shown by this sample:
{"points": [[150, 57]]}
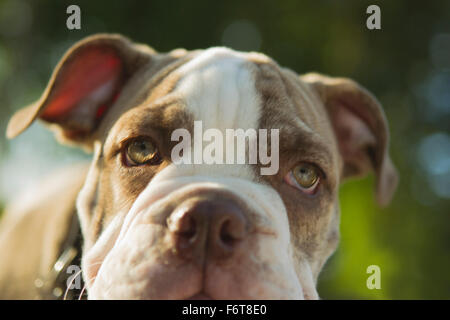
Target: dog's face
{"points": [[157, 229]]}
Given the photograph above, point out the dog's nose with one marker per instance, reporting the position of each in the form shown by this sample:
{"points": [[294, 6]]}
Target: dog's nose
{"points": [[214, 228]]}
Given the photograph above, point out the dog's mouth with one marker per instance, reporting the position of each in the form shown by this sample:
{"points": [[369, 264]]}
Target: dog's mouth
{"points": [[200, 296]]}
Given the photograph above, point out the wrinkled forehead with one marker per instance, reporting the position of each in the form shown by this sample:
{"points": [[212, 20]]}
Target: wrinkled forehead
{"points": [[226, 89]]}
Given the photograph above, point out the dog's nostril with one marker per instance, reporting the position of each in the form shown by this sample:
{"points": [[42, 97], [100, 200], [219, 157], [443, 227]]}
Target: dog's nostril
{"points": [[232, 232], [225, 235], [188, 228], [229, 232]]}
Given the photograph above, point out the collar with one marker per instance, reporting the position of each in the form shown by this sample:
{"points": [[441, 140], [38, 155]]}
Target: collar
{"points": [[66, 270]]}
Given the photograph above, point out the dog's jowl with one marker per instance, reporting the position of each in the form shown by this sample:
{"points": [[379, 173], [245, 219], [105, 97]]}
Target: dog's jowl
{"points": [[154, 228]]}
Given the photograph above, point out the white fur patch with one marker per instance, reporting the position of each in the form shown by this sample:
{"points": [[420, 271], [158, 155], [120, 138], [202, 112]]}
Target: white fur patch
{"points": [[218, 88]]}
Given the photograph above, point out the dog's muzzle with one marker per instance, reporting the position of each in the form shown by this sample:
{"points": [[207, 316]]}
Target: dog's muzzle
{"points": [[190, 237]]}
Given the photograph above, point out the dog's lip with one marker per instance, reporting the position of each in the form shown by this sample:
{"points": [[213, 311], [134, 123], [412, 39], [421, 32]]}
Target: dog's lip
{"points": [[200, 296]]}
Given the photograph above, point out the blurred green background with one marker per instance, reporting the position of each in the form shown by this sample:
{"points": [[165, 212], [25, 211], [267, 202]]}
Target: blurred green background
{"points": [[406, 65]]}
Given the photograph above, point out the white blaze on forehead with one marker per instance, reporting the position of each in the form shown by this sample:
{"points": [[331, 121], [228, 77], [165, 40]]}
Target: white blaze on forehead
{"points": [[219, 89]]}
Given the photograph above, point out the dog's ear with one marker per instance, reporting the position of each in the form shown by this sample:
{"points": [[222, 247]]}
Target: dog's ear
{"points": [[84, 84], [361, 130]]}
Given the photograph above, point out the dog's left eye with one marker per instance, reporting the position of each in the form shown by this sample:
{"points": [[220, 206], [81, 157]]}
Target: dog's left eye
{"points": [[140, 152], [305, 177]]}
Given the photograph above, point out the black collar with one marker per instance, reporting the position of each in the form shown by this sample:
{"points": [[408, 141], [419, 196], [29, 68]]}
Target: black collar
{"points": [[54, 285]]}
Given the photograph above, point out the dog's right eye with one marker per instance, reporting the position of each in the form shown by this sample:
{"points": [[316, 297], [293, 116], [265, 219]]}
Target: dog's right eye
{"points": [[141, 152]]}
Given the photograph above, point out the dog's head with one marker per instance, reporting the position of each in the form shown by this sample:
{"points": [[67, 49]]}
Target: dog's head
{"points": [[259, 226]]}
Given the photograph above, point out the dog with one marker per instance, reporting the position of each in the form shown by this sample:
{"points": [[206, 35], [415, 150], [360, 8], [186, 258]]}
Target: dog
{"points": [[154, 229]]}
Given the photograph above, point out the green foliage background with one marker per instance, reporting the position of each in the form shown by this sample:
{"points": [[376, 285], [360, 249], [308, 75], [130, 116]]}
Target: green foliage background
{"points": [[410, 240]]}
